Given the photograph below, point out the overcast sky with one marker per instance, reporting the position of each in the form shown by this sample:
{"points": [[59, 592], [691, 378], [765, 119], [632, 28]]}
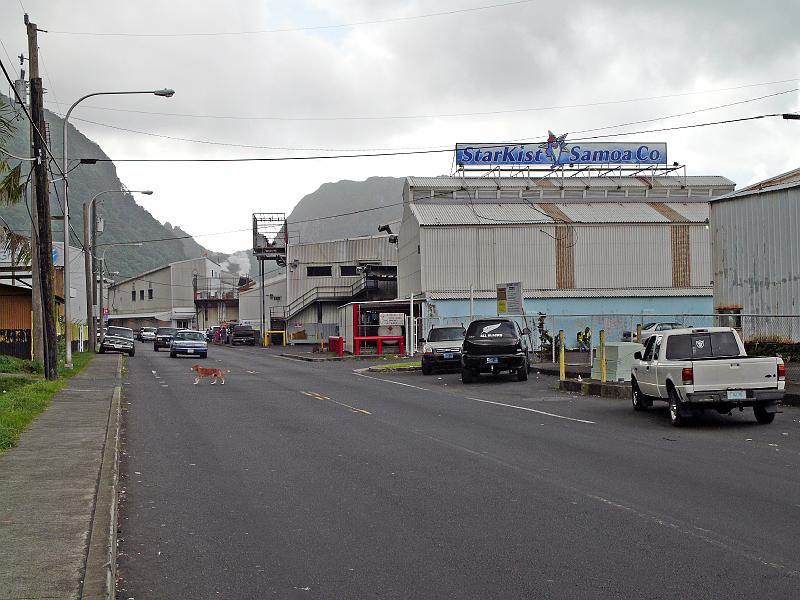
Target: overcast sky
{"points": [[321, 86]]}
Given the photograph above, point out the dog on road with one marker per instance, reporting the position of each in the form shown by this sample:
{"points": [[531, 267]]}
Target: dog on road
{"points": [[203, 372]]}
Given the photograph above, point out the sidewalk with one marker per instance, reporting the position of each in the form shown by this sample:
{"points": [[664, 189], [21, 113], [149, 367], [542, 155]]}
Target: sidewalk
{"points": [[50, 485]]}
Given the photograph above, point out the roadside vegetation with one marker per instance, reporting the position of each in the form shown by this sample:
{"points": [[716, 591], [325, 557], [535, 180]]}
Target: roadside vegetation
{"points": [[24, 394], [401, 365]]}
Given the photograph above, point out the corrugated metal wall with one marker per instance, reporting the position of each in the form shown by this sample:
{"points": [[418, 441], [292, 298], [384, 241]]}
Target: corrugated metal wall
{"points": [[756, 253], [409, 274], [15, 309], [700, 253], [335, 253]]}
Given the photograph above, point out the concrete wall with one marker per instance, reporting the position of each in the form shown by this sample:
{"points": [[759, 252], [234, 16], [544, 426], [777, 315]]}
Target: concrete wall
{"points": [[250, 301], [409, 270], [120, 302]]}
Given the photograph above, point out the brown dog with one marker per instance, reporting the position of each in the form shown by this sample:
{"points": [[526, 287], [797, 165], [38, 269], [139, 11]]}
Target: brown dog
{"points": [[208, 372]]}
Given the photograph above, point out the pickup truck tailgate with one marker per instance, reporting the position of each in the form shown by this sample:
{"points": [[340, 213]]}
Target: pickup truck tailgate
{"points": [[735, 374]]}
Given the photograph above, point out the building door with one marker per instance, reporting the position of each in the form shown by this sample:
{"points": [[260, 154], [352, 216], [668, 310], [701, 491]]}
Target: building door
{"points": [[184, 323]]}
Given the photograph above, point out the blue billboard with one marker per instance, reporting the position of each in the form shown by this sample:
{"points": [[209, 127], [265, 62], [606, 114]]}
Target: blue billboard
{"points": [[556, 151]]}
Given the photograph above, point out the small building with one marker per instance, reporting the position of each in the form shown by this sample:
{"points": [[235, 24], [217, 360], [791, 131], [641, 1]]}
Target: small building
{"points": [[166, 296], [321, 276], [579, 245], [755, 251]]}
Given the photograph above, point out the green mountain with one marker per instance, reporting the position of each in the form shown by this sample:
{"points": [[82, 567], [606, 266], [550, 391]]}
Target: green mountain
{"points": [[124, 219]]}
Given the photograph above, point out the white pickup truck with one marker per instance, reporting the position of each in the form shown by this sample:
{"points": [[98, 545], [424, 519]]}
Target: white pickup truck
{"points": [[705, 368]]}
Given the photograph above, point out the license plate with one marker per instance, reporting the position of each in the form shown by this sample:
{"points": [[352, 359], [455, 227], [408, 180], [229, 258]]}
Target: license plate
{"points": [[491, 360], [448, 355], [737, 395], [190, 351]]}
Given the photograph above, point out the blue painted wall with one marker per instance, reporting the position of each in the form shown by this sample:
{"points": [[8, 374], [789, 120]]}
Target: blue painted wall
{"points": [[600, 313]]}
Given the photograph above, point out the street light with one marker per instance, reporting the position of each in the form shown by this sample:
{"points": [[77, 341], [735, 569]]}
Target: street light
{"points": [[164, 93], [89, 236], [102, 268]]}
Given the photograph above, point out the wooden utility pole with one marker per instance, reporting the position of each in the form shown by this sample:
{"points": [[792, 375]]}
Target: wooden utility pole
{"points": [[36, 296]]}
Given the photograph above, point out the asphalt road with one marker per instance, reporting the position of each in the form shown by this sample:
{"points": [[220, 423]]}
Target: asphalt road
{"points": [[307, 480]]}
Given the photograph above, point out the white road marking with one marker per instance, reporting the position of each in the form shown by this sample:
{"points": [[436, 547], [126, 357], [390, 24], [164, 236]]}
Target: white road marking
{"points": [[416, 387], [533, 410]]}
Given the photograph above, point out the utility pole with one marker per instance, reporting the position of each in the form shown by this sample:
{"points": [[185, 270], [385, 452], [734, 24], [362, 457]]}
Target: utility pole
{"points": [[36, 296], [97, 319], [45, 238], [88, 244]]}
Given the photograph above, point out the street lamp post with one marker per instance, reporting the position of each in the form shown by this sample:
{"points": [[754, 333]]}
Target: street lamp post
{"points": [[166, 93], [90, 267], [102, 269]]}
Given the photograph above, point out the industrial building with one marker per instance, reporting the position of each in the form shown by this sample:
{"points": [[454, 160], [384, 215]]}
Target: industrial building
{"points": [[274, 298], [756, 258], [579, 245], [169, 296], [321, 276]]}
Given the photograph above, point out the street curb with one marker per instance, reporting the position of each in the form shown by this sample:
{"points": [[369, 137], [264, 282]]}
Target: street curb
{"points": [[328, 358], [99, 581], [390, 370], [590, 387]]}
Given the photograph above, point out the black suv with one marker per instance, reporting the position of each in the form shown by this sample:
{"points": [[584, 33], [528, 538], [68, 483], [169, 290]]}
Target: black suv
{"points": [[164, 337], [495, 345]]}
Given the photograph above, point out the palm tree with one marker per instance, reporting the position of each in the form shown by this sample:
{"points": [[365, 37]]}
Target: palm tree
{"points": [[11, 192]]}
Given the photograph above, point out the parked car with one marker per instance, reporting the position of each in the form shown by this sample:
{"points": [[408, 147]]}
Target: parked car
{"points": [[163, 337], [705, 368], [493, 346], [147, 334], [117, 339], [243, 334], [648, 329], [187, 341], [442, 349]]}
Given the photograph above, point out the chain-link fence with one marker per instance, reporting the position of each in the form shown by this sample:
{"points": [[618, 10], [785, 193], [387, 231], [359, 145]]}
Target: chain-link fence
{"points": [[763, 335]]}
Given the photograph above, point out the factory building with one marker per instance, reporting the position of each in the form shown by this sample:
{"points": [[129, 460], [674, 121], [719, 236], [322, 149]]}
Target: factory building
{"points": [[756, 258], [579, 245], [322, 276]]}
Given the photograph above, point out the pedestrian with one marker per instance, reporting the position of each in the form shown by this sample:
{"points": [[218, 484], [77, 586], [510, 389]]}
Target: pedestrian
{"points": [[587, 339]]}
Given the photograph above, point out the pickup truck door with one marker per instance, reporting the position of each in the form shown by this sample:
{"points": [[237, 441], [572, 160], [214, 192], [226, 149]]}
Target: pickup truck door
{"points": [[643, 369], [658, 371]]}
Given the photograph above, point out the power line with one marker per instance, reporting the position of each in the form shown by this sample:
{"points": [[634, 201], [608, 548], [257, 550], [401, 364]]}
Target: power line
{"points": [[254, 146], [437, 116], [419, 152], [296, 29]]}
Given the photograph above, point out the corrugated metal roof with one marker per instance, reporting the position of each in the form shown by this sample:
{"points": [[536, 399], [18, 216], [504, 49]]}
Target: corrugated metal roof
{"points": [[609, 212], [477, 214], [432, 214], [696, 212], [553, 180], [756, 190]]}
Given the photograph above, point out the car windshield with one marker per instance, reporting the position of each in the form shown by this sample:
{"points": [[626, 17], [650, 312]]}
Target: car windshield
{"points": [[166, 331], [149, 329], [649, 325], [194, 336], [243, 328], [491, 329], [446, 334], [120, 332], [692, 346]]}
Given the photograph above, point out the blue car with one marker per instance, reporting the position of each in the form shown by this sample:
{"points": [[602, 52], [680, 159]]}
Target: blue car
{"points": [[190, 343]]}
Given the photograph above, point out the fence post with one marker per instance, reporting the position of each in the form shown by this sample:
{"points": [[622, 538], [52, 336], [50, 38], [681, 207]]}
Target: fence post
{"points": [[638, 333], [562, 369], [602, 355]]}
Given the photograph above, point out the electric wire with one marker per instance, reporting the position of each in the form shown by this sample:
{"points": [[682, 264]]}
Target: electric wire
{"points": [[255, 146], [296, 29]]}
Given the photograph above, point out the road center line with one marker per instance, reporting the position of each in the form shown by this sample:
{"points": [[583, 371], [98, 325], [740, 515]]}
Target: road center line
{"points": [[533, 410]]}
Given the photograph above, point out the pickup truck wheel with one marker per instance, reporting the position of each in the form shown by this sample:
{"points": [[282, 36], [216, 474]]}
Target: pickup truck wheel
{"points": [[426, 369], [762, 416], [466, 376], [637, 398], [675, 417]]}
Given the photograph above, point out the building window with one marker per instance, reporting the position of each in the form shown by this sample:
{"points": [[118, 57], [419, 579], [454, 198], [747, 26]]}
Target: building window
{"points": [[133, 295], [326, 271], [150, 294], [141, 294], [183, 323], [348, 271]]}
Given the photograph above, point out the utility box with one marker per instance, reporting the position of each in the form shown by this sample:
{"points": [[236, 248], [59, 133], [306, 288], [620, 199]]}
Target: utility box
{"points": [[619, 360]]}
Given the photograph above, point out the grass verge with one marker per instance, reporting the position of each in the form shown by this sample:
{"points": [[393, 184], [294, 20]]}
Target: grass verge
{"points": [[401, 365], [23, 399]]}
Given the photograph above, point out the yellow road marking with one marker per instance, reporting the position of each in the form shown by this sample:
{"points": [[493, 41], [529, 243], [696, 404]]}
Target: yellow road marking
{"points": [[321, 397]]}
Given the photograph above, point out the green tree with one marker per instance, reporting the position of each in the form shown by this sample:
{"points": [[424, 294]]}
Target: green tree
{"points": [[12, 191]]}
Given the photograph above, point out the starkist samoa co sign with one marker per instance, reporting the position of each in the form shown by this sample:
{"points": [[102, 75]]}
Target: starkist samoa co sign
{"points": [[556, 151]]}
